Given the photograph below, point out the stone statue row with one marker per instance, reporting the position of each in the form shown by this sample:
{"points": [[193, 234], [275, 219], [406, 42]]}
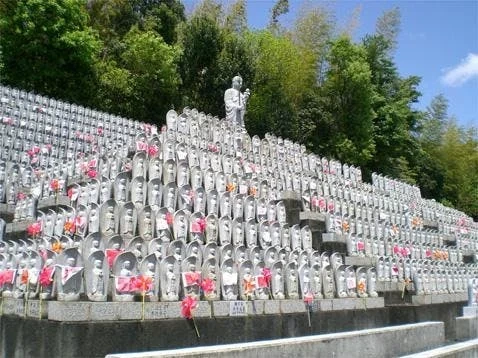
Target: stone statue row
{"points": [[120, 275]]}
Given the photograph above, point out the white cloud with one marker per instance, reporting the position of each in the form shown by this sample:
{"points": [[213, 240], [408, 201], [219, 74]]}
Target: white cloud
{"points": [[465, 71]]}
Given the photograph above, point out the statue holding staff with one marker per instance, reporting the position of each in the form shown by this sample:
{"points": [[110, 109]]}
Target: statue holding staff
{"points": [[236, 102]]}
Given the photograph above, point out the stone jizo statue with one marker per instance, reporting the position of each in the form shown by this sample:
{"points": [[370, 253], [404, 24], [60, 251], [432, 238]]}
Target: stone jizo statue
{"points": [[236, 102]]}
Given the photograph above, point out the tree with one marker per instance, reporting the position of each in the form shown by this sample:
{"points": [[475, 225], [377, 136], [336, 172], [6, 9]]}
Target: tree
{"points": [[313, 30], [144, 84], [202, 43], [48, 47], [161, 16], [236, 19], [388, 26], [395, 117], [344, 126], [281, 7], [283, 75]]}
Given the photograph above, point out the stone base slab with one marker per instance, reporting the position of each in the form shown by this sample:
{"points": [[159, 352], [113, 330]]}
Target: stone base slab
{"points": [[439, 298], [120, 311]]}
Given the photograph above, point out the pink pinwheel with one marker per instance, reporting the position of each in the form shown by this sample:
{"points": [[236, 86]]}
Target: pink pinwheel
{"points": [[188, 305], [208, 286], [152, 150], [55, 185], [308, 298], [91, 173], [266, 272], [34, 229]]}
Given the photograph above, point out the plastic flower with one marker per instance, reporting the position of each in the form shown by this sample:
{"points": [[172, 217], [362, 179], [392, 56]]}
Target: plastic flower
{"points": [[230, 187], [188, 305], [21, 196]]}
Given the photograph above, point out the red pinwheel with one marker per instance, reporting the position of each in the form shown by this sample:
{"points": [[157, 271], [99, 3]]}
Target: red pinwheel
{"points": [[91, 173], [169, 218], [152, 150], [199, 225], [208, 286], [46, 276], [55, 185], [69, 227], [188, 305], [143, 283], [34, 229]]}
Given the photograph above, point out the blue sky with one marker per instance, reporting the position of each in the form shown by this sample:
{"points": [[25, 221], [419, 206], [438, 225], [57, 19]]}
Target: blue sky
{"points": [[438, 42]]}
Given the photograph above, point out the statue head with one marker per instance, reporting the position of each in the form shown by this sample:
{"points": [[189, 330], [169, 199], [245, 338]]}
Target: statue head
{"points": [[237, 82]]}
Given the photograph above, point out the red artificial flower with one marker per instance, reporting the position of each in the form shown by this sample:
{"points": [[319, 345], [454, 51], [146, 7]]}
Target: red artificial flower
{"points": [[266, 272], [188, 305], [21, 196], [55, 185], [100, 130], [208, 286]]}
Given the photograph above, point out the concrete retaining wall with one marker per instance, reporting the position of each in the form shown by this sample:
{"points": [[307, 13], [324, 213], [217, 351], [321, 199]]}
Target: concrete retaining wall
{"points": [[371, 343], [467, 349]]}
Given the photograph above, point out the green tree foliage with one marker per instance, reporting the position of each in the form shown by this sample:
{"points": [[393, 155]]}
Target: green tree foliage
{"points": [[344, 126], [144, 84], [202, 43], [451, 153], [283, 75], [281, 7], [313, 30], [48, 47], [395, 119]]}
